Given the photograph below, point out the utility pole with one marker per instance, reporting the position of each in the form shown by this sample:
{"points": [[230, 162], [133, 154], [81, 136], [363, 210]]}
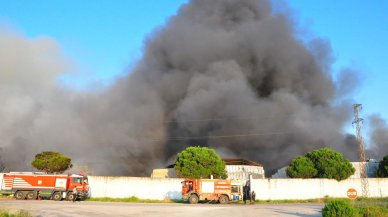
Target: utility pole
{"points": [[361, 150]]}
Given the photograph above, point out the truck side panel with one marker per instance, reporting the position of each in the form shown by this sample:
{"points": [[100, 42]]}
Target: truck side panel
{"points": [[214, 186], [222, 187], [15, 181], [60, 183], [7, 183], [207, 187]]}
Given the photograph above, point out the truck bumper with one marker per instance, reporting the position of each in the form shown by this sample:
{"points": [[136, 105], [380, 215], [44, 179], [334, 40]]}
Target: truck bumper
{"points": [[82, 195]]}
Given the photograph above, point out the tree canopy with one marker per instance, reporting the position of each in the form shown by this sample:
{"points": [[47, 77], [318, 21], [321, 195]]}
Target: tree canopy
{"points": [[302, 167], [199, 162], [51, 162], [382, 171], [324, 163]]}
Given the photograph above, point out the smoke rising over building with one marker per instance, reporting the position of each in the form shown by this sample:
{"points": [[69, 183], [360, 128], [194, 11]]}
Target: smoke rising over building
{"points": [[227, 74]]}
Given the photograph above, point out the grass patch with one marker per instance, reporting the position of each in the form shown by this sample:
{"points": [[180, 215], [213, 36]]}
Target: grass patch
{"points": [[373, 211], [366, 207], [132, 199], [5, 196], [20, 213], [362, 201]]}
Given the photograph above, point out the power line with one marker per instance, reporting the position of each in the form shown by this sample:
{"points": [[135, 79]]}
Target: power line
{"points": [[226, 119], [218, 136]]}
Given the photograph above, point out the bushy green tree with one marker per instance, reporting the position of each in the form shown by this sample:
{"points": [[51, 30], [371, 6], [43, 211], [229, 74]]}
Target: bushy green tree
{"points": [[51, 162], [330, 164], [199, 162], [339, 208], [326, 162], [301, 167], [382, 171]]}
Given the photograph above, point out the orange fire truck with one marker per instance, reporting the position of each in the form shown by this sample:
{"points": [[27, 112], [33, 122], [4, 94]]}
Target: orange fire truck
{"points": [[30, 185], [220, 190]]}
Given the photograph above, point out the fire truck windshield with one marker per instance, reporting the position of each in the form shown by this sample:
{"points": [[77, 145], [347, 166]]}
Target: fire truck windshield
{"points": [[77, 180], [235, 189]]}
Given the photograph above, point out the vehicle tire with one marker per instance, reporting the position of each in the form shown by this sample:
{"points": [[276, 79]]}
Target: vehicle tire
{"points": [[223, 199], [19, 195], [57, 196], [31, 195], [193, 199], [70, 196]]}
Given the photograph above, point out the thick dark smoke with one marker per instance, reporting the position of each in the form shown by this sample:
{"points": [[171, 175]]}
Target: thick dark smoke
{"points": [[378, 137], [226, 74]]}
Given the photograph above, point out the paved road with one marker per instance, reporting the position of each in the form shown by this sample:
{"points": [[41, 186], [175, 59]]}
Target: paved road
{"points": [[102, 209]]}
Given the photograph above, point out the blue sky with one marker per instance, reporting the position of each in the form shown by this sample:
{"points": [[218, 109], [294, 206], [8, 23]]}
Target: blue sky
{"points": [[104, 37], [358, 33]]}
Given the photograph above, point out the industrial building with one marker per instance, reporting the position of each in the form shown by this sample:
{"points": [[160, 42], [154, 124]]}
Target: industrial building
{"points": [[236, 168]]}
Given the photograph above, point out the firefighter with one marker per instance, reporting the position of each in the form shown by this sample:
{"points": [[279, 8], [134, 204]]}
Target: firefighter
{"points": [[245, 195], [75, 194], [253, 197]]}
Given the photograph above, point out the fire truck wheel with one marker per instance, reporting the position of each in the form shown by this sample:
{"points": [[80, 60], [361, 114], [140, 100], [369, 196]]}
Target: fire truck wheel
{"points": [[19, 195], [223, 199], [31, 195], [193, 199], [57, 196], [70, 196]]}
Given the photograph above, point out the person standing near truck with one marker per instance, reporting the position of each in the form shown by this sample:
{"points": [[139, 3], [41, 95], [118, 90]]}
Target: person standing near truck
{"points": [[245, 194], [75, 194], [253, 197]]}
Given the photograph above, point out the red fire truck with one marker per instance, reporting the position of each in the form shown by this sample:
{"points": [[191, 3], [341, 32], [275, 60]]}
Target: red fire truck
{"points": [[30, 185], [220, 190]]}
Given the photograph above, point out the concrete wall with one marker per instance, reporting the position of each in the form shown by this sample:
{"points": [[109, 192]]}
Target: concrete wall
{"points": [[266, 189], [141, 187], [277, 189]]}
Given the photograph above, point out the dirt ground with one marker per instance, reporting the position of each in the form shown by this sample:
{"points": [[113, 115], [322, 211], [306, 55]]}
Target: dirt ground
{"points": [[99, 209]]}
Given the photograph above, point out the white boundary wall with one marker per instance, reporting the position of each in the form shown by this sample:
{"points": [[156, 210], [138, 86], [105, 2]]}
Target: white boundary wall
{"points": [[276, 189], [141, 187], [265, 189]]}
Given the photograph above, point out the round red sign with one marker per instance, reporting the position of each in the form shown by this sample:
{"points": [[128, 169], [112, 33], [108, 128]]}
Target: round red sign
{"points": [[352, 193]]}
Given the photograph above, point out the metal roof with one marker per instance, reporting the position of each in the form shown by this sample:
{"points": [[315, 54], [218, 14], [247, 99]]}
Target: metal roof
{"points": [[239, 161], [233, 161]]}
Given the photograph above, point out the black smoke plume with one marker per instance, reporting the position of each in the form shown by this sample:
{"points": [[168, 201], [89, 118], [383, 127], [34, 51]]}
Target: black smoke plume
{"points": [[227, 74]]}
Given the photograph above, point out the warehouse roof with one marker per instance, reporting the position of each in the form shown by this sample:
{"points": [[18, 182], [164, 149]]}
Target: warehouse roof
{"points": [[233, 161], [239, 161]]}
